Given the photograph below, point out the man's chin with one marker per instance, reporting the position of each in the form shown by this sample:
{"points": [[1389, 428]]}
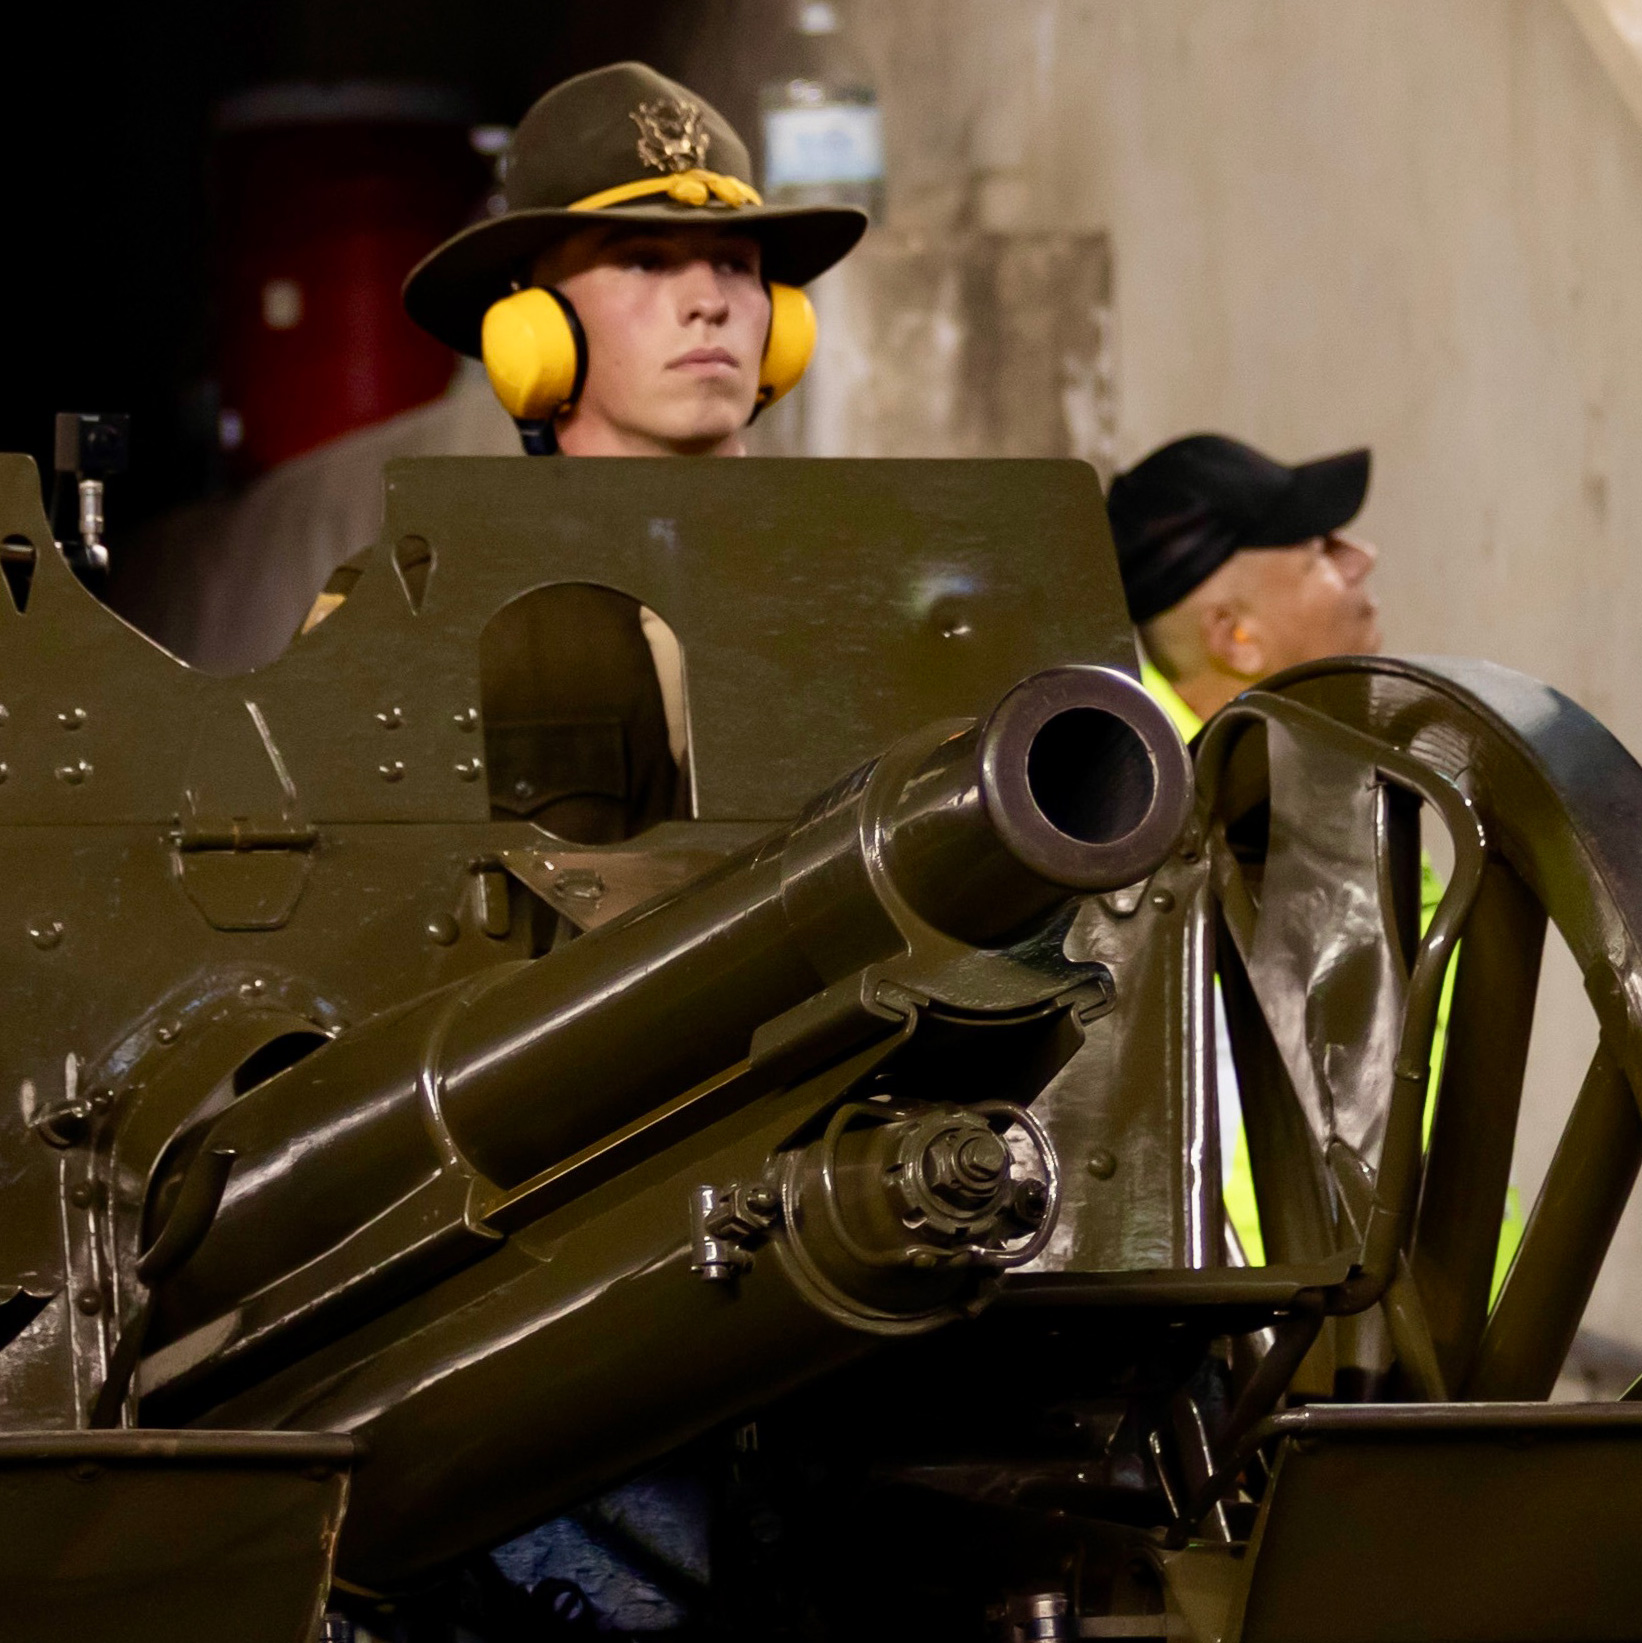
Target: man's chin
{"points": [[707, 427], [713, 408]]}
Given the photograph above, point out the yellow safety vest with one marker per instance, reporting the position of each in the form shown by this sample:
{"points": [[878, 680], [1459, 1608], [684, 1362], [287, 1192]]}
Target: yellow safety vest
{"points": [[1241, 1207]]}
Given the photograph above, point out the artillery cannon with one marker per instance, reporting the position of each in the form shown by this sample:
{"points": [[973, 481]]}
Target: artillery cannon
{"points": [[384, 1177]]}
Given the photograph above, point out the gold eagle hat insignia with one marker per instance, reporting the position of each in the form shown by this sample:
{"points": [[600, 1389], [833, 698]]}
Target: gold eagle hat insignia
{"points": [[671, 135]]}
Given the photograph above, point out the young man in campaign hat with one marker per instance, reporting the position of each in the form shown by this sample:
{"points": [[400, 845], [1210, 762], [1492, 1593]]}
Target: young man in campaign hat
{"points": [[635, 298]]}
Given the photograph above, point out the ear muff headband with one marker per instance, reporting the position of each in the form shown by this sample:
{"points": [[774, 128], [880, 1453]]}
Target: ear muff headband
{"points": [[535, 351]]}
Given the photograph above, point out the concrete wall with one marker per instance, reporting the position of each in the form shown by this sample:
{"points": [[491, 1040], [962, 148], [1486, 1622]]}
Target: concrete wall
{"points": [[1412, 224]]}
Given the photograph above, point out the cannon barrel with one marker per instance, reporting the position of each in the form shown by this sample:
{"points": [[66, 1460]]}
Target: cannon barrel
{"points": [[413, 1145], [1075, 783]]}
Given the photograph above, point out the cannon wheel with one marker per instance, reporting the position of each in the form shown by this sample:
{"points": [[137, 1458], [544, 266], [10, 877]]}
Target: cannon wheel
{"points": [[1310, 794]]}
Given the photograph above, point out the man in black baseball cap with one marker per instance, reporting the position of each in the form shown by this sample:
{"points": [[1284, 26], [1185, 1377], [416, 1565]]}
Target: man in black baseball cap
{"points": [[1236, 566]]}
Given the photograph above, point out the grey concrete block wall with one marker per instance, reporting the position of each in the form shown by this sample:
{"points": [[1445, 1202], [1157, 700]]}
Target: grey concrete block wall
{"points": [[1415, 224], [959, 343]]}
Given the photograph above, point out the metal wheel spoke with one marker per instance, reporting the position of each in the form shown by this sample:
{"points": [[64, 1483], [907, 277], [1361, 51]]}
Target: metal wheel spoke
{"points": [[1468, 1165], [1568, 1233], [1296, 1222]]}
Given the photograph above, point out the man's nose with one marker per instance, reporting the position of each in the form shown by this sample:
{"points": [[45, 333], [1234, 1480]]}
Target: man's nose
{"points": [[702, 293], [1354, 556]]}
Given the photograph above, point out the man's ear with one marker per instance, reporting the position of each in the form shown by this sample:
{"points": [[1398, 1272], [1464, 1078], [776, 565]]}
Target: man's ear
{"points": [[1234, 641]]}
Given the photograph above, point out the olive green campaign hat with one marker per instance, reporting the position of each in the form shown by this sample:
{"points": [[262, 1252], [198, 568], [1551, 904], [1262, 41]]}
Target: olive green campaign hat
{"points": [[621, 142]]}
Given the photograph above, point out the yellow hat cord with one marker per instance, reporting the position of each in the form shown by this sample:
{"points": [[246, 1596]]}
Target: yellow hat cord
{"points": [[694, 187]]}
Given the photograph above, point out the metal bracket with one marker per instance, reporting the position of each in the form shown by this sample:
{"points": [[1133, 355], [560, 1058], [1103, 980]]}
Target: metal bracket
{"points": [[727, 1226]]}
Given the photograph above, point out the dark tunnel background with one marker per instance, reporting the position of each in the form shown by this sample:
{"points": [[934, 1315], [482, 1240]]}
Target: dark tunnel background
{"points": [[106, 179]]}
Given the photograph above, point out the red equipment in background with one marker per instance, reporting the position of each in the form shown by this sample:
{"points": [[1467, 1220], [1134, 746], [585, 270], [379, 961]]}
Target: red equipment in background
{"points": [[329, 196]]}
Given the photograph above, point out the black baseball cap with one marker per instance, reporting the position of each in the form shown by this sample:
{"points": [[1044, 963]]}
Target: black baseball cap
{"points": [[1180, 514]]}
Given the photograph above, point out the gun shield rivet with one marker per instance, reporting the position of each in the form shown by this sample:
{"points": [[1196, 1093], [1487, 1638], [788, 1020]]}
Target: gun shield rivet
{"points": [[467, 719], [1102, 1164], [46, 933], [74, 773], [390, 718], [1163, 900], [393, 771], [4, 715], [468, 770], [89, 1302], [85, 1471], [81, 1196], [5, 771], [579, 884], [443, 929], [166, 1034], [72, 719], [251, 988]]}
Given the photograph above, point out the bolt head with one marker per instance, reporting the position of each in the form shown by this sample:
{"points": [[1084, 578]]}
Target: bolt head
{"points": [[1030, 1202], [89, 1302], [1102, 1164], [983, 1158], [964, 1167]]}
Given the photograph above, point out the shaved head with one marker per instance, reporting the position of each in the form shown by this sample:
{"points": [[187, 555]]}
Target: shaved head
{"points": [[1263, 610]]}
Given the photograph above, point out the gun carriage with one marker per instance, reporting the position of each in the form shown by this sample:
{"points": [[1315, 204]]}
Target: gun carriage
{"points": [[383, 1177]]}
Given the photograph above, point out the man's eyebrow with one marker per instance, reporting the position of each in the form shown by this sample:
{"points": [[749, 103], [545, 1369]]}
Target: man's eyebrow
{"points": [[623, 239]]}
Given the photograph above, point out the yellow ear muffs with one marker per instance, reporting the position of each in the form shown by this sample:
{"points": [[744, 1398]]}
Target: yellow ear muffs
{"points": [[791, 342], [535, 353]]}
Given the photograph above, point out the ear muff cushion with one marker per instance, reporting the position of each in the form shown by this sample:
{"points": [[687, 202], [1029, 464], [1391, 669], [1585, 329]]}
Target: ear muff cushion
{"points": [[791, 343], [534, 353]]}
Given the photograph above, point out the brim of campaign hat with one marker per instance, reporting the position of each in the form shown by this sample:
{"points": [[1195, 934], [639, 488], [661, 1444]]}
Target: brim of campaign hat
{"points": [[448, 292]]}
